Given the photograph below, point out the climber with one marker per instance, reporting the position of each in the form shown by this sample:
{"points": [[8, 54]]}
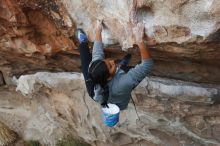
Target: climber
{"points": [[106, 82]]}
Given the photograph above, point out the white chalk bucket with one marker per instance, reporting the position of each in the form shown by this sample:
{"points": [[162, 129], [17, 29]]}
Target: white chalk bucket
{"points": [[110, 115]]}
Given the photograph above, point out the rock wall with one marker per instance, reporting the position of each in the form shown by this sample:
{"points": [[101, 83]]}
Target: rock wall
{"points": [[178, 34], [168, 112], [165, 21], [33, 26], [177, 105]]}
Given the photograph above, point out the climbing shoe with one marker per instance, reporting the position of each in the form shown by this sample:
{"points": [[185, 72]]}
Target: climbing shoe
{"points": [[125, 60], [81, 36]]}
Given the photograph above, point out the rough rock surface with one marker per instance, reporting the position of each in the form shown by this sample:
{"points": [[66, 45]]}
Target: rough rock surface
{"points": [[178, 106], [168, 112], [183, 34], [2, 82]]}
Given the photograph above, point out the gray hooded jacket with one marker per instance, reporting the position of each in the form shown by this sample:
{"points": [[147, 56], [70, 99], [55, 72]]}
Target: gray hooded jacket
{"points": [[122, 84]]}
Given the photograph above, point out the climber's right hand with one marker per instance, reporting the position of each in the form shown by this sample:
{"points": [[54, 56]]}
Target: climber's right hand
{"points": [[99, 24], [138, 32]]}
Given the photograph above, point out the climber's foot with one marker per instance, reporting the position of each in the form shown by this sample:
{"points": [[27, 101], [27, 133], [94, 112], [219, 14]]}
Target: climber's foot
{"points": [[81, 36], [126, 59]]}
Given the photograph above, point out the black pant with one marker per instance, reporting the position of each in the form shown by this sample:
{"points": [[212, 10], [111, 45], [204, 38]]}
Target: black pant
{"points": [[86, 58]]}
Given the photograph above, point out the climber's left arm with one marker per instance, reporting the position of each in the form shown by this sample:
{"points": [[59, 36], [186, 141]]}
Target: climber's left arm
{"points": [[97, 52]]}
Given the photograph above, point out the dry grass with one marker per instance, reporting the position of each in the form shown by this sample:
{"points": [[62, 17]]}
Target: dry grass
{"points": [[7, 136], [71, 142]]}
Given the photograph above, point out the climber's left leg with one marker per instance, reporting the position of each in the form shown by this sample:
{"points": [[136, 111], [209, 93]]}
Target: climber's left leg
{"points": [[86, 58]]}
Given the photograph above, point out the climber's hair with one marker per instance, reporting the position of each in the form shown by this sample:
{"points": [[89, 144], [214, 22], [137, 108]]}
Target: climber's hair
{"points": [[98, 72]]}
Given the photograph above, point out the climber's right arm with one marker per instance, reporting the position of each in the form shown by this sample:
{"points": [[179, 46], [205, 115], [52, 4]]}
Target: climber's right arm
{"points": [[141, 70], [139, 38], [135, 75]]}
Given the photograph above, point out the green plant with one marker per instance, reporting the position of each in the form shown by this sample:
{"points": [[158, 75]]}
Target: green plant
{"points": [[32, 143]]}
